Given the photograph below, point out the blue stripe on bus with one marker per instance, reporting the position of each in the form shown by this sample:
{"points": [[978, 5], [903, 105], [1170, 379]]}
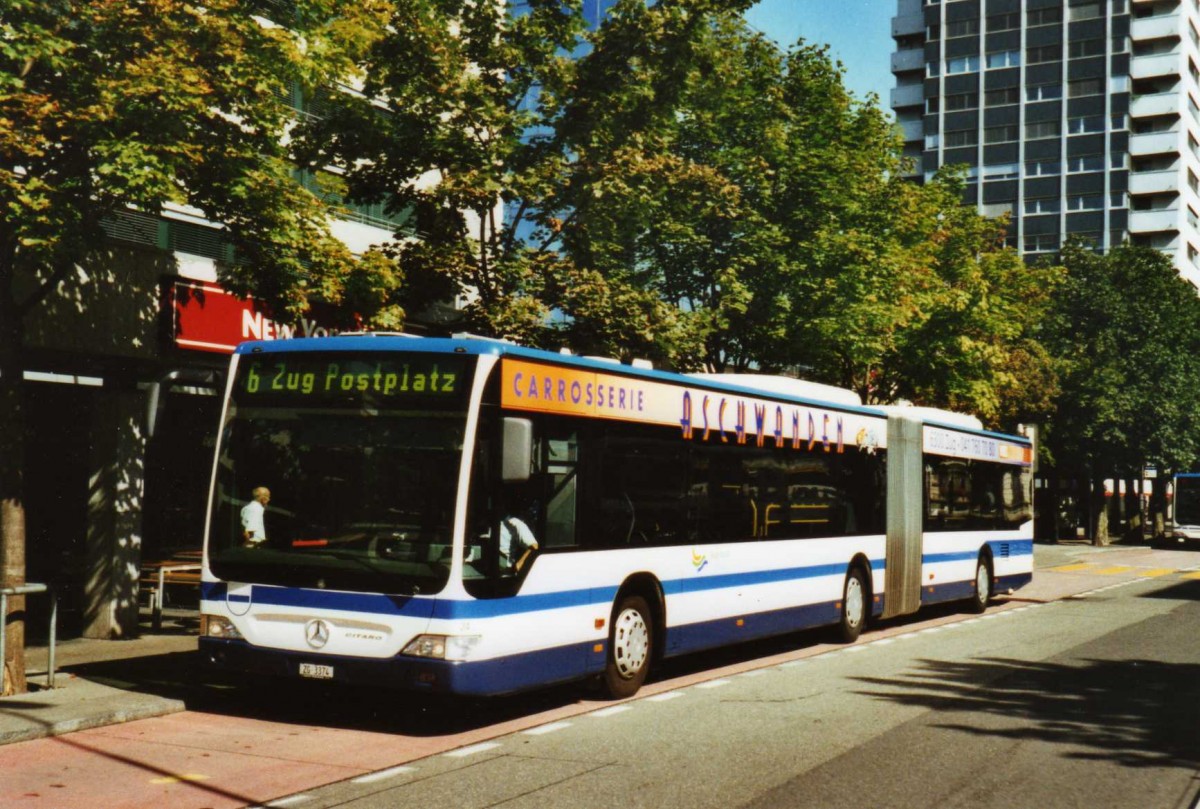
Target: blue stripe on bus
{"points": [[447, 609], [1016, 547]]}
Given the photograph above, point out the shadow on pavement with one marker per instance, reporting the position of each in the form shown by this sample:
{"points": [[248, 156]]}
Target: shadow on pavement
{"points": [[1139, 713]]}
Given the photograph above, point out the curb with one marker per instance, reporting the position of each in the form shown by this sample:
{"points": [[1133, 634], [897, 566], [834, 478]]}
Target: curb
{"points": [[112, 716]]}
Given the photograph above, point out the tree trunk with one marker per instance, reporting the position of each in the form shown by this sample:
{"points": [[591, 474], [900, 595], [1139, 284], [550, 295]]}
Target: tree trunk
{"points": [[1099, 512], [12, 502]]}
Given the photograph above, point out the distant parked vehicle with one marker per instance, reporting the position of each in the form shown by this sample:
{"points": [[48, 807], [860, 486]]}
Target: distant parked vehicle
{"points": [[1187, 509]]}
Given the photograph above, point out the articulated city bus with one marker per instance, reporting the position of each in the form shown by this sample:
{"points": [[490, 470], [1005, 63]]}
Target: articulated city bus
{"points": [[473, 517]]}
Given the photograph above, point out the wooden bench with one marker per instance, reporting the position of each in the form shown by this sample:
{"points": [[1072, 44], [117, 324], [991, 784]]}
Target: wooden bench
{"points": [[181, 570]]}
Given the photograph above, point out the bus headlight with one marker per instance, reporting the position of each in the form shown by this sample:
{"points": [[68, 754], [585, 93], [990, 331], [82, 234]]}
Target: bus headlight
{"points": [[442, 647], [214, 626]]}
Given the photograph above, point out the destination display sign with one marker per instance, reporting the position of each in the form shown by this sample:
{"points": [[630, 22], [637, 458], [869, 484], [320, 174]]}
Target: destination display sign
{"points": [[972, 446], [700, 414], [375, 375]]}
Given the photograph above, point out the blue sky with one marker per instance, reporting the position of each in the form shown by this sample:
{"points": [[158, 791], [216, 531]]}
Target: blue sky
{"points": [[859, 33]]}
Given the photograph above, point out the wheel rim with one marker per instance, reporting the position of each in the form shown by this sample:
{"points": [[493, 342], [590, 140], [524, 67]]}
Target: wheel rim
{"points": [[631, 643], [854, 601], [982, 584]]}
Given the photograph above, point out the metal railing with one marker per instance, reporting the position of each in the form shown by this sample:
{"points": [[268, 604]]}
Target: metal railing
{"points": [[27, 590]]}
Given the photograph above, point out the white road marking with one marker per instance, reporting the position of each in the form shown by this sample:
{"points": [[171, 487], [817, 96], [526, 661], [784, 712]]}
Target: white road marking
{"points": [[547, 728], [713, 684], [472, 750], [665, 696], [603, 712], [383, 775]]}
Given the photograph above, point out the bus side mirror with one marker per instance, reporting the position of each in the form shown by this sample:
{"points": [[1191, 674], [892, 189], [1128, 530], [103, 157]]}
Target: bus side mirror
{"points": [[518, 450]]}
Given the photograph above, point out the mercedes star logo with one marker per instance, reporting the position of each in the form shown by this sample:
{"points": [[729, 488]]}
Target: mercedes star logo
{"points": [[316, 633]]}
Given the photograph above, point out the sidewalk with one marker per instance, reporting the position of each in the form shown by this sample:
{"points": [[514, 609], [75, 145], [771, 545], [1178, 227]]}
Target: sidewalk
{"points": [[108, 682], [100, 682]]}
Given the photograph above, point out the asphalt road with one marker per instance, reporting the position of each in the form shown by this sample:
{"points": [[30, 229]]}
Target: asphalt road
{"points": [[1087, 702], [1047, 700]]}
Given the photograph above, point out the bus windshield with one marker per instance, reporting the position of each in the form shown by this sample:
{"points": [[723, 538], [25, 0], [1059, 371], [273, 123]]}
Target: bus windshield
{"points": [[339, 471], [1187, 500]]}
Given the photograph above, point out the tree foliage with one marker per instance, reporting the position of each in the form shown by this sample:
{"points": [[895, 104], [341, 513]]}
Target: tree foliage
{"points": [[107, 106], [1126, 330]]}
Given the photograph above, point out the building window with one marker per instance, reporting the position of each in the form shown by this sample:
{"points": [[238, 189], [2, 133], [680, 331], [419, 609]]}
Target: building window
{"points": [[933, 31], [1041, 243], [1042, 129], [1091, 162], [931, 105], [1116, 199], [1043, 92], [1119, 122], [961, 137], [962, 101], [998, 98], [1003, 22], [1120, 43], [1192, 253], [1085, 47], [1004, 59], [1044, 16], [1085, 124], [1001, 171], [1043, 205], [931, 69], [1118, 84], [1000, 134], [1042, 168], [1085, 87], [1192, 218], [1085, 11], [932, 141], [962, 64], [1085, 202], [962, 28], [1118, 160], [1044, 53]]}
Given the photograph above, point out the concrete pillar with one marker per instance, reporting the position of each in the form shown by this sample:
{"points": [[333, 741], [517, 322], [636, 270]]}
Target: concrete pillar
{"points": [[116, 484]]}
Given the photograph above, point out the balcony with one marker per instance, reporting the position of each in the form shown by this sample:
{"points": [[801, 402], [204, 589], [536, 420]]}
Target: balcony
{"points": [[908, 24], [1154, 143], [913, 130], [1157, 27], [908, 60], [908, 95], [1149, 106], [1149, 67], [1159, 221], [1154, 182]]}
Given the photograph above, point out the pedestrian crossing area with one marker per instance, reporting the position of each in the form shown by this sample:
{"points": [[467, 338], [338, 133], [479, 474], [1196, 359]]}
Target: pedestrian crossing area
{"points": [[1096, 569]]}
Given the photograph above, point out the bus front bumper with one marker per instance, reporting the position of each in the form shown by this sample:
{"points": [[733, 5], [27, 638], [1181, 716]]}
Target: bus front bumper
{"points": [[478, 678]]}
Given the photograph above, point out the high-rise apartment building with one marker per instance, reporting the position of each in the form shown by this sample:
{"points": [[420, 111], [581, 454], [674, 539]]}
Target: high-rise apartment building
{"points": [[1076, 117]]}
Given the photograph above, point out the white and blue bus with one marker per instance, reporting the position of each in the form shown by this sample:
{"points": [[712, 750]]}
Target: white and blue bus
{"points": [[473, 517]]}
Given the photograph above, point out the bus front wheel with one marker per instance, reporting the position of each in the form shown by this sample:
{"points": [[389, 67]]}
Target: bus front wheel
{"points": [[630, 642], [854, 606]]}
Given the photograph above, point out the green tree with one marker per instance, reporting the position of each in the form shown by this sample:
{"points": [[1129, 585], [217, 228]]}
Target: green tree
{"points": [[499, 129], [1126, 330], [106, 106]]}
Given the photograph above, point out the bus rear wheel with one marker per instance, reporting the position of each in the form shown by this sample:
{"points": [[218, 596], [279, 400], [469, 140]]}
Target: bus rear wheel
{"points": [[983, 585], [630, 641], [854, 606]]}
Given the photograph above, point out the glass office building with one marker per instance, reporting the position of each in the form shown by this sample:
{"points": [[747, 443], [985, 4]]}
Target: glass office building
{"points": [[1075, 117]]}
